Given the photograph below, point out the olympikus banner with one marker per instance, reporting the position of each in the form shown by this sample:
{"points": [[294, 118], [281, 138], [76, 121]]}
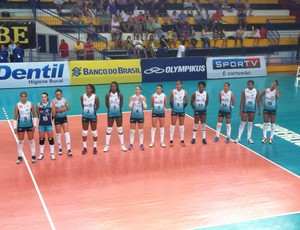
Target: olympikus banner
{"points": [[172, 69], [236, 67], [23, 32]]}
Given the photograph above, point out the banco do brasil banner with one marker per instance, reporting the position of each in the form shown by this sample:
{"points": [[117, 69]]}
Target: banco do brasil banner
{"points": [[236, 67], [23, 32], [104, 72], [35, 74], [172, 69]]}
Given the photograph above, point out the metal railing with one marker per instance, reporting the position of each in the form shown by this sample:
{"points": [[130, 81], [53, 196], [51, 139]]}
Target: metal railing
{"points": [[273, 37]]}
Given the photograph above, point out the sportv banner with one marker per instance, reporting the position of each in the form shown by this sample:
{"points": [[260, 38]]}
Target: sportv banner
{"points": [[172, 69], [37, 74], [236, 67], [104, 72]]}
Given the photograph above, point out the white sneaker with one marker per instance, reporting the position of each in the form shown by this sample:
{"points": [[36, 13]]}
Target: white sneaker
{"points": [[106, 148], [60, 152], [52, 156], [237, 140], [250, 141], [123, 148], [41, 156], [151, 145], [162, 144]]}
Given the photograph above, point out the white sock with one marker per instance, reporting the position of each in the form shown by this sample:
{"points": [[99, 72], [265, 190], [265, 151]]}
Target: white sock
{"points": [[272, 130], [172, 129], [32, 147], [162, 134], [141, 136], [131, 137], [203, 129], [228, 130], [84, 144], [58, 139], [153, 134], [265, 128], [51, 149], [95, 144], [218, 129], [249, 131], [181, 132], [20, 148], [68, 140], [121, 135], [42, 148], [241, 129], [108, 135], [195, 130]]}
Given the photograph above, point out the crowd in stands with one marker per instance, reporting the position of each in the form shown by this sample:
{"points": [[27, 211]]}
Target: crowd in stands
{"points": [[13, 52]]}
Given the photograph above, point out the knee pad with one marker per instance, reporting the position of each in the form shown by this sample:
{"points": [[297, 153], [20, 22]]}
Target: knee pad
{"points": [[42, 141], [108, 130], [84, 133], [94, 133], [51, 141], [120, 130]]}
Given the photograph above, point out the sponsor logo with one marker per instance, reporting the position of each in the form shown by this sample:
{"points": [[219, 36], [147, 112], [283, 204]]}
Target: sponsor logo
{"points": [[109, 71], [176, 69], [156, 70], [236, 63], [76, 71]]}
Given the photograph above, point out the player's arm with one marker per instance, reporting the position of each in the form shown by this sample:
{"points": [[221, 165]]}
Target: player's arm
{"points": [[242, 101], [33, 115], [152, 102], [107, 101], [220, 100], [130, 102], [15, 119], [81, 101], [165, 101], [143, 100], [192, 101], [186, 99], [277, 94], [97, 103], [261, 95], [171, 100], [67, 106], [38, 109], [207, 99], [232, 100], [258, 102], [53, 110], [121, 100]]}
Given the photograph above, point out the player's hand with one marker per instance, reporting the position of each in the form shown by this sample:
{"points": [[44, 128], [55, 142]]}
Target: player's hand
{"points": [[141, 99], [16, 131]]}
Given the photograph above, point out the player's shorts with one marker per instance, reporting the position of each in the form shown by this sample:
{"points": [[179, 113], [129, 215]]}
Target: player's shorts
{"points": [[270, 112], [158, 115], [89, 120], [199, 112], [224, 114], [136, 120], [25, 129], [60, 120], [45, 128], [113, 116], [178, 114], [244, 111]]}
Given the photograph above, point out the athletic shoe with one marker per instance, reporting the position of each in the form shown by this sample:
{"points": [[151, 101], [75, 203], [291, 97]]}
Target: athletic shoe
{"points": [[182, 143], [84, 151], [19, 160], [263, 140], [60, 152], [106, 148], [52, 156], [41, 156], [204, 141], [69, 152], [227, 140], [171, 144], [216, 139], [271, 141], [193, 141], [33, 159], [142, 147], [151, 145], [95, 151], [250, 141], [162, 145], [237, 140], [130, 147], [123, 148]]}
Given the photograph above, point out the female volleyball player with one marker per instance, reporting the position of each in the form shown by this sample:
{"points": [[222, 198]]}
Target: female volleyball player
{"points": [[45, 111], [199, 102], [227, 102], [137, 104], [158, 103], [270, 105], [178, 102], [249, 101], [90, 104], [61, 121], [114, 104], [24, 121]]}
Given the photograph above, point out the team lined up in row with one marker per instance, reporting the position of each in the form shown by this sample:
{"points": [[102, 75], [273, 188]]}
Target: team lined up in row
{"points": [[25, 118]]}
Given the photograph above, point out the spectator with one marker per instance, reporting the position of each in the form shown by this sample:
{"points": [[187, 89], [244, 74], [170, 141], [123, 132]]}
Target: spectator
{"points": [[115, 26], [112, 8], [216, 4], [242, 18], [91, 32], [18, 53], [223, 37], [174, 18], [182, 16], [226, 6], [150, 28], [205, 38], [11, 47], [157, 28], [206, 18], [247, 7], [141, 19], [239, 35], [89, 49], [215, 37], [79, 49], [162, 12], [128, 44], [216, 19], [63, 49], [199, 19], [88, 12], [163, 45], [237, 4], [138, 47], [189, 7], [172, 38], [59, 4], [181, 50], [137, 28], [263, 33], [256, 37], [183, 33], [76, 11], [152, 46], [3, 54], [106, 21], [126, 21], [192, 37]]}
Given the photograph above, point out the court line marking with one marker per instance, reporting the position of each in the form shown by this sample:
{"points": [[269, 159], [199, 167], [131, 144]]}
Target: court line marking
{"points": [[34, 182]]}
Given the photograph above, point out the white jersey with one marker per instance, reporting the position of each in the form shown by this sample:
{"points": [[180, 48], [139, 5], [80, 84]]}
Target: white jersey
{"points": [[60, 104], [250, 100], [200, 101], [270, 99], [225, 101], [178, 101], [24, 114], [114, 109], [159, 103], [89, 104], [137, 107]]}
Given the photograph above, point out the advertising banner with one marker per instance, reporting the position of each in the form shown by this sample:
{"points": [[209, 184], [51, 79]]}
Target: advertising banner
{"points": [[236, 67], [37, 74], [172, 69], [104, 72]]}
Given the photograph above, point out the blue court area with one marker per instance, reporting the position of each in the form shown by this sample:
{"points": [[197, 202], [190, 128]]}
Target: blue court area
{"points": [[283, 152]]}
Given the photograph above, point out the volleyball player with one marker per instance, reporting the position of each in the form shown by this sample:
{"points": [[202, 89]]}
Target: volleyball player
{"points": [[45, 111], [178, 102], [137, 104], [158, 102], [199, 102], [90, 104], [249, 102], [270, 105], [24, 121], [61, 121], [114, 104], [227, 102]]}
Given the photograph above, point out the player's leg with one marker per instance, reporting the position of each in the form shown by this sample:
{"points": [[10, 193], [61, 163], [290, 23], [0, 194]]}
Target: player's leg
{"points": [[172, 127], [132, 132], [58, 136], [51, 143], [95, 135], [141, 133], [181, 128], [273, 120], [153, 130], [85, 126], [265, 126], [219, 126], [30, 135], [110, 123], [162, 131], [195, 127], [65, 127], [20, 135], [42, 135], [203, 128], [251, 117], [244, 117], [119, 121], [228, 128]]}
